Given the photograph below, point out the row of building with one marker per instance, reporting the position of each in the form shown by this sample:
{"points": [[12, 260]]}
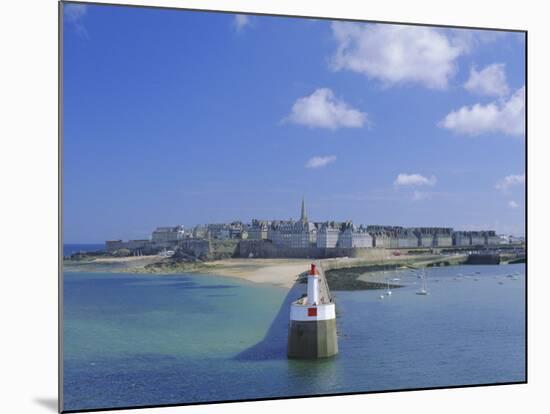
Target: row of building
{"points": [[303, 233]]}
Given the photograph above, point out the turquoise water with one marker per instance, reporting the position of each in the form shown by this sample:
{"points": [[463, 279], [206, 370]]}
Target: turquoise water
{"points": [[132, 340]]}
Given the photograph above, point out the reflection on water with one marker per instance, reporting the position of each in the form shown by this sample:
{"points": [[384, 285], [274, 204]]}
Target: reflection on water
{"points": [[142, 340]]}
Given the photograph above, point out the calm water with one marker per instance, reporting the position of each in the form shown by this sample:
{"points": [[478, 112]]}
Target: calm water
{"points": [[143, 340]]}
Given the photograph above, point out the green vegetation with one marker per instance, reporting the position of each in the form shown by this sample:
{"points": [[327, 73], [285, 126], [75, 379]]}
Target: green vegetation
{"points": [[171, 266]]}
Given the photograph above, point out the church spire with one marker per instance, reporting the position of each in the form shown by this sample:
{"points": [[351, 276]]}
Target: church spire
{"points": [[303, 216]]}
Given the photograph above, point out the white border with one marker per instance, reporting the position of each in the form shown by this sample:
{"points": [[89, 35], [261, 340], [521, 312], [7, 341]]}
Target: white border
{"points": [[28, 170]]}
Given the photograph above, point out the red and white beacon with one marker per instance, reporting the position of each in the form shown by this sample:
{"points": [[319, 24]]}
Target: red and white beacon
{"points": [[312, 329], [313, 286]]}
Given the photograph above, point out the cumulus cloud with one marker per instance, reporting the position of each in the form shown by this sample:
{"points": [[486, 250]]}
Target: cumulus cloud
{"points": [[322, 109], [490, 81], [513, 204], [397, 54], [510, 181], [319, 162], [414, 180], [506, 116], [74, 14], [469, 39], [241, 21]]}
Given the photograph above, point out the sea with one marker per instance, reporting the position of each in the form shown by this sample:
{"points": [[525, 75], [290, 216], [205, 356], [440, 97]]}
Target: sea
{"points": [[140, 340], [69, 249]]}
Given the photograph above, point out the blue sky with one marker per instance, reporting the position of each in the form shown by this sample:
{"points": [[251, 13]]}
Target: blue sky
{"points": [[180, 117]]}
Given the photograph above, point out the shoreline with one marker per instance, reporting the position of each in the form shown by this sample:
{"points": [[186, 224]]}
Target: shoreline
{"points": [[277, 272], [281, 272]]}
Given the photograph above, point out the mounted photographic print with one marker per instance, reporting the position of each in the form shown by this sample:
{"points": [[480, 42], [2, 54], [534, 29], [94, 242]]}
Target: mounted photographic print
{"points": [[258, 207]]}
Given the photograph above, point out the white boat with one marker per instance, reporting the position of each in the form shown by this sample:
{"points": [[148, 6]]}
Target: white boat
{"points": [[424, 289], [389, 291]]}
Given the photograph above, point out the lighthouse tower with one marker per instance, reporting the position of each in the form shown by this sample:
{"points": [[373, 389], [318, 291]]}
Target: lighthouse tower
{"points": [[313, 287], [312, 329]]}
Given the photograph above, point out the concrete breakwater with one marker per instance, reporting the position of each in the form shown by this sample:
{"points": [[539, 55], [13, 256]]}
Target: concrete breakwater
{"points": [[345, 273], [386, 262], [488, 259]]}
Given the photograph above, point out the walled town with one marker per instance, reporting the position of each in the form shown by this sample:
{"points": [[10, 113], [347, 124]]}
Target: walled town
{"points": [[301, 238]]}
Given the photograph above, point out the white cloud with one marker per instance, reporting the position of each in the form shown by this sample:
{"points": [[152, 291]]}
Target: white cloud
{"points": [[74, 14], [414, 180], [505, 116], [513, 204], [490, 81], [469, 39], [510, 181], [319, 162], [397, 54], [323, 110], [241, 21]]}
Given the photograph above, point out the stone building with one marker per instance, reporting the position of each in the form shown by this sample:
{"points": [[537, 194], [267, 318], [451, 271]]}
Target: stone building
{"points": [[407, 238], [461, 238], [167, 236], [384, 236], [218, 231], [258, 230], [443, 237], [425, 237], [114, 245], [280, 232], [355, 237], [294, 234], [380, 239], [200, 232], [434, 236], [139, 245], [304, 235], [477, 238], [328, 235], [491, 238]]}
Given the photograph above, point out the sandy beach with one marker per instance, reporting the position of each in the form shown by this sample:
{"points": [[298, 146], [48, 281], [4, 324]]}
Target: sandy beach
{"points": [[278, 272]]}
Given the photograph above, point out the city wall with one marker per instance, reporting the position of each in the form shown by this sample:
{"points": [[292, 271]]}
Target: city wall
{"points": [[266, 250]]}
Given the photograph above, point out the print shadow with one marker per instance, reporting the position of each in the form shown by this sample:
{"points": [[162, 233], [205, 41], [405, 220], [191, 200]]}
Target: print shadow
{"points": [[274, 344], [48, 403]]}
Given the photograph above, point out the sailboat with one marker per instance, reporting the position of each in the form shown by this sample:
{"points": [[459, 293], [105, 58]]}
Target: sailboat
{"points": [[389, 291], [424, 290]]}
